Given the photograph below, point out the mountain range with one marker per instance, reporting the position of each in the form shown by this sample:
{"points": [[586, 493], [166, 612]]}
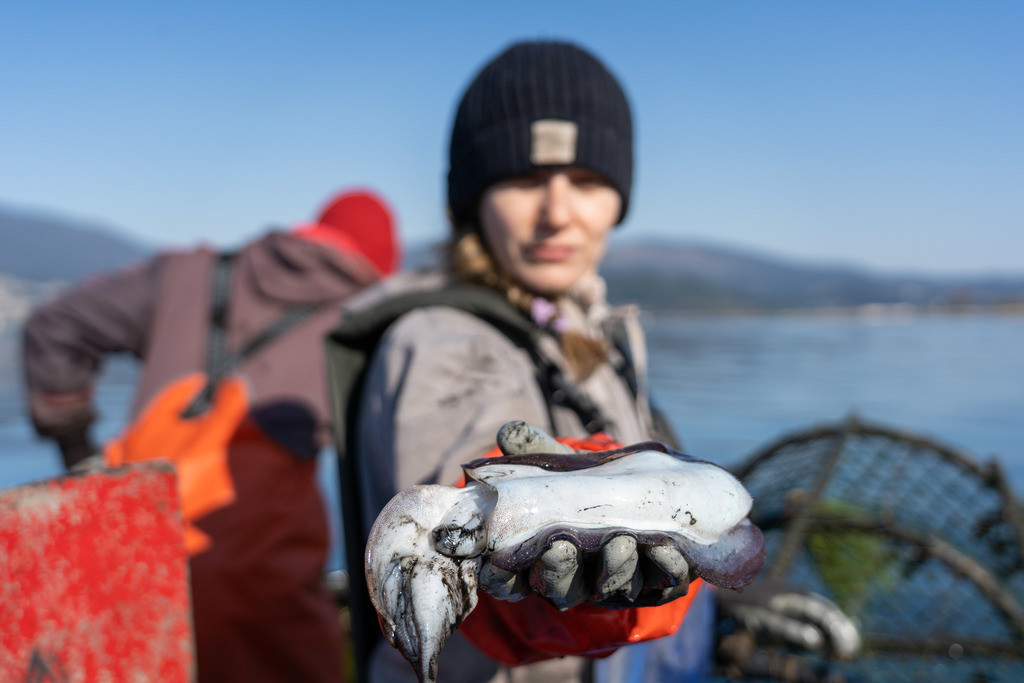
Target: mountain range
{"points": [[42, 248], [690, 276], [659, 275]]}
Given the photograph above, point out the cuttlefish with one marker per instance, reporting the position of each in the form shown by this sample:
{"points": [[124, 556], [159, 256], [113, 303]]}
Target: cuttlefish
{"points": [[433, 546]]}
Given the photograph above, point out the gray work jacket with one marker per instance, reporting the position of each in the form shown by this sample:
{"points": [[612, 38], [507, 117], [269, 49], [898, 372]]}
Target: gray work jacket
{"points": [[439, 386]]}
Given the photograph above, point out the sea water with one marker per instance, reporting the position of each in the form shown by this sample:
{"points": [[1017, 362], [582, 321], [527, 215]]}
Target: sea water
{"points": [[730, 385]]}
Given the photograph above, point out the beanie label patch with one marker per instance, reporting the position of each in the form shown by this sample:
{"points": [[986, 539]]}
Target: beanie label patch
{"points": [[553, 141]]}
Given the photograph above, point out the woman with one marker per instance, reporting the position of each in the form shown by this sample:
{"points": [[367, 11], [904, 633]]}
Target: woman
{"points": [[540, 173]]}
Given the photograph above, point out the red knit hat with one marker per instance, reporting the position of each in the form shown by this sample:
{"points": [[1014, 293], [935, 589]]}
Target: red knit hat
{"points": [[358, 221]]}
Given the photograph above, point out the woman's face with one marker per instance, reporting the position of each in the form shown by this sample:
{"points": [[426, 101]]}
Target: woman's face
{"points": [[549, 230]]}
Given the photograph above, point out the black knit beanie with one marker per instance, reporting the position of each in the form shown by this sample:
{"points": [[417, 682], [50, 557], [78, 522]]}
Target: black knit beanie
{"points": [[538, 105]]}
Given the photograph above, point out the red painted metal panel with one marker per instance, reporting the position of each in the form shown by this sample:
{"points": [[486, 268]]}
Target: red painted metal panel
{"points": [[94, 579]]}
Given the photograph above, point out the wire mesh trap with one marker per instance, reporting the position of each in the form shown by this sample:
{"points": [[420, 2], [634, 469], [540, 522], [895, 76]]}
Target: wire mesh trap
{"points": [[919, 543]]}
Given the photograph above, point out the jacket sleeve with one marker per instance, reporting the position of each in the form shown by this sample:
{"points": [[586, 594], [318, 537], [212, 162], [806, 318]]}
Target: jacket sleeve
{"points": [[440, 386], [64, 343]]}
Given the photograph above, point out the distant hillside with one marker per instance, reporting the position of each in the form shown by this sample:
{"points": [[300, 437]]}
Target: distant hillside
{"points": [[659, 275], [680, 276], [42, 248]]}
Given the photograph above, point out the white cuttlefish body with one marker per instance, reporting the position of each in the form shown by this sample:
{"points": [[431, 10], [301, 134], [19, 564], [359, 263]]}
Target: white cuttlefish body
{"points": [[427, 546]]}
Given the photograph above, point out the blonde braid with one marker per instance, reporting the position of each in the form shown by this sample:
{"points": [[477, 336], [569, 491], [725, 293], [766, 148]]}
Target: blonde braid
{"points": [[471, 262]]}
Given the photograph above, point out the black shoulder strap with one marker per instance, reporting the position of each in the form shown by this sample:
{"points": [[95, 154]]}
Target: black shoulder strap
{"points": [[219, 362]]}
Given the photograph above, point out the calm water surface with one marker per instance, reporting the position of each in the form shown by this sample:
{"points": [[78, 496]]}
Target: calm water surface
{"points": [[731, 385]]}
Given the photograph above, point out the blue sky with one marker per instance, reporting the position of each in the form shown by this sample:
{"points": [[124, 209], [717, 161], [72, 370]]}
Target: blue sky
{"points": [[885, 134]]}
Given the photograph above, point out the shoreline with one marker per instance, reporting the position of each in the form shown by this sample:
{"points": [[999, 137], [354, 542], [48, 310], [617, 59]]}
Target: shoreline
{"points": [[870, 312]]}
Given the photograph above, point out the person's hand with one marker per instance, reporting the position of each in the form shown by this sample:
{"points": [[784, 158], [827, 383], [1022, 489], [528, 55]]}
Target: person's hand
{"points": [[613, 526], [777, 612], [621, 574], [92, 463], [76, 447]]}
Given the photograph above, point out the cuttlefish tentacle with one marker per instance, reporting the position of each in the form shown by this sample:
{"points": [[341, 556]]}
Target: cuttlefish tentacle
{"points": [[421, 595], [672, 516]]}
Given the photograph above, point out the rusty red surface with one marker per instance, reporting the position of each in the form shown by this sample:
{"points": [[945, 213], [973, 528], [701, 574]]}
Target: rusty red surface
{"points": [[94, 579]]}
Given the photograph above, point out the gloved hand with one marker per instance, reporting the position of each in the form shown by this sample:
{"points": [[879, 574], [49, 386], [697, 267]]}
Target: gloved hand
{"points": [[76, 447], [623, 573], [775, 611], [620, 529], [92, 463]]}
